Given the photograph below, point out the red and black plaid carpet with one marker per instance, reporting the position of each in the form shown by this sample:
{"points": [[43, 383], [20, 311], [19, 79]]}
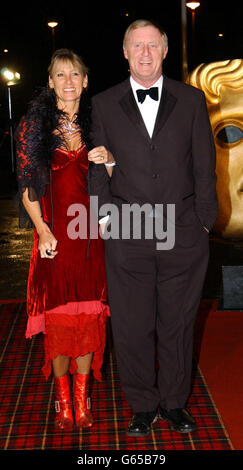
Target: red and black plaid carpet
{"points": [[27, 404]]}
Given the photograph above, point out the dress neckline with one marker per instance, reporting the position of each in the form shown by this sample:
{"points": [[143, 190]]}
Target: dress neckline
{"points": [[68, 152]]}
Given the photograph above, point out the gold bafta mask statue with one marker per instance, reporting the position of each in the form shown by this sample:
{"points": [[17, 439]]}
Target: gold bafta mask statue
{"points": [[222, 83]]}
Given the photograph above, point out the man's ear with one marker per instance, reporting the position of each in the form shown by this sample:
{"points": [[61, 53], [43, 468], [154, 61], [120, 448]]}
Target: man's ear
{"points": [[125, 53], [165, 52]]}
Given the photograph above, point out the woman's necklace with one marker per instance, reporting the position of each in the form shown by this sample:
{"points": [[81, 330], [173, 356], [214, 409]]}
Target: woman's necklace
{"points": [[67, 126]]}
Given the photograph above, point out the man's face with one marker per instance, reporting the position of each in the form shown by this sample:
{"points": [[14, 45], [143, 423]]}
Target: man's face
{"points": [[145, 52]]}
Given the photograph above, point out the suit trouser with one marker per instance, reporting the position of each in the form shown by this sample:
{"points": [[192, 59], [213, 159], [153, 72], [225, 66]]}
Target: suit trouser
{"points": [[154, 297]]}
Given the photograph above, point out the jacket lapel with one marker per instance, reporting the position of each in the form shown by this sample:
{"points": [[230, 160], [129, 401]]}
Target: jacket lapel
{"points": [[129, 106], [167, 104]]}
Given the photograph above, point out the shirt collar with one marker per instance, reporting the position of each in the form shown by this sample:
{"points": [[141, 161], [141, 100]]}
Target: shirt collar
{"points": [[135, 85]]}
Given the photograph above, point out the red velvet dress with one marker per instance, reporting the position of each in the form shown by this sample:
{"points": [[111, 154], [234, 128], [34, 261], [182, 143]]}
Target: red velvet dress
{"points": [[67, 297]]}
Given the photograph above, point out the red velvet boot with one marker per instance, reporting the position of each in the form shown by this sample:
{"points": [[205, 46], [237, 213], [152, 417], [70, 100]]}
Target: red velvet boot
{"points": [[63, 403], [82, 406]]}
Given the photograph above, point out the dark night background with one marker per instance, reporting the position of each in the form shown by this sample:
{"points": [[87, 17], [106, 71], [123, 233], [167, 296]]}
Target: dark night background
{"points": [[95, 31]]}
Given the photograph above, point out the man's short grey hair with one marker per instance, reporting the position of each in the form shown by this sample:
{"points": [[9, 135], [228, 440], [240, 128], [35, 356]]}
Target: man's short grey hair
{"points": [[141, 24]]}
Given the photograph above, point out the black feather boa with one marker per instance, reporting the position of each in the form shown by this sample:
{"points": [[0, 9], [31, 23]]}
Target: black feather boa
{"points": [[36, 141], [45, 115]]}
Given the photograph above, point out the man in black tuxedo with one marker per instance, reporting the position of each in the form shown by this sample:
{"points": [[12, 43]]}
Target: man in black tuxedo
{"points": [[164, 153]]}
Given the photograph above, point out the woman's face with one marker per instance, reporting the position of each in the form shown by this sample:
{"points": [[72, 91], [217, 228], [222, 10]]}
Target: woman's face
{"points": [[68, 82]]}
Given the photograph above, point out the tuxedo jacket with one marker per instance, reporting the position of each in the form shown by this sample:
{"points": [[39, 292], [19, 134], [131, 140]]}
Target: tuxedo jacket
{"points": [[175, 166]]}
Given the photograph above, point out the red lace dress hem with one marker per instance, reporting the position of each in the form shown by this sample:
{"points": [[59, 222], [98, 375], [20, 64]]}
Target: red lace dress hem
{"points": [[72, 330], [76, 333]]}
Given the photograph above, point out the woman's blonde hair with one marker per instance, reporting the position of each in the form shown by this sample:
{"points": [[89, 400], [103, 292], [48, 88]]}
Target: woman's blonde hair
{"points": [[69, 56]]}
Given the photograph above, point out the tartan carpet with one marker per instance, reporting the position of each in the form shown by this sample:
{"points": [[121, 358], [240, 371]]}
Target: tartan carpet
{"points": [[27, 403]]}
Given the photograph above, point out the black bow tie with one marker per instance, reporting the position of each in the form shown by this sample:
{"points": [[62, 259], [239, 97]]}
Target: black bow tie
{"points": [[152, 92]]}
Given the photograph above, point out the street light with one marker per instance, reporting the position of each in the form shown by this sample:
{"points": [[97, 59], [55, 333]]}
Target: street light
{"points": [[52, 25], [193, 6], [11, 78], [184, 41]]}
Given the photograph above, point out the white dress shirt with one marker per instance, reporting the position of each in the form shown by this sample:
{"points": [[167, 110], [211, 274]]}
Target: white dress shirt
{"points": [[149, 108]]}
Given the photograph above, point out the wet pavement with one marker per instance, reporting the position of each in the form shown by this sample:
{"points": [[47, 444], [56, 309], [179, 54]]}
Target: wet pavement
{"points": [[15, 249], [15, 244]]}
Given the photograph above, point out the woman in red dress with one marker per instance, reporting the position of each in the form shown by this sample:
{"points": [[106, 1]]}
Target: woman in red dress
{"points": [[66, 294]]}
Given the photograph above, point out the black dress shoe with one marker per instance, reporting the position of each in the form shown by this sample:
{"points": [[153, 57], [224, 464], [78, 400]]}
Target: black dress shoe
{"points": [[180, 419], [140, 424]]}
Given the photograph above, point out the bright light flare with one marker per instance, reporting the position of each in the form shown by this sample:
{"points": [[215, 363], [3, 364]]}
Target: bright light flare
{"points": [[52, 24], [193, 5], [11, 77], [8, 74]]}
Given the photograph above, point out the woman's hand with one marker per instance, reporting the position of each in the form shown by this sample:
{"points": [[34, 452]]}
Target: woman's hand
{"points": [[100, 155], [47, 241]]}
